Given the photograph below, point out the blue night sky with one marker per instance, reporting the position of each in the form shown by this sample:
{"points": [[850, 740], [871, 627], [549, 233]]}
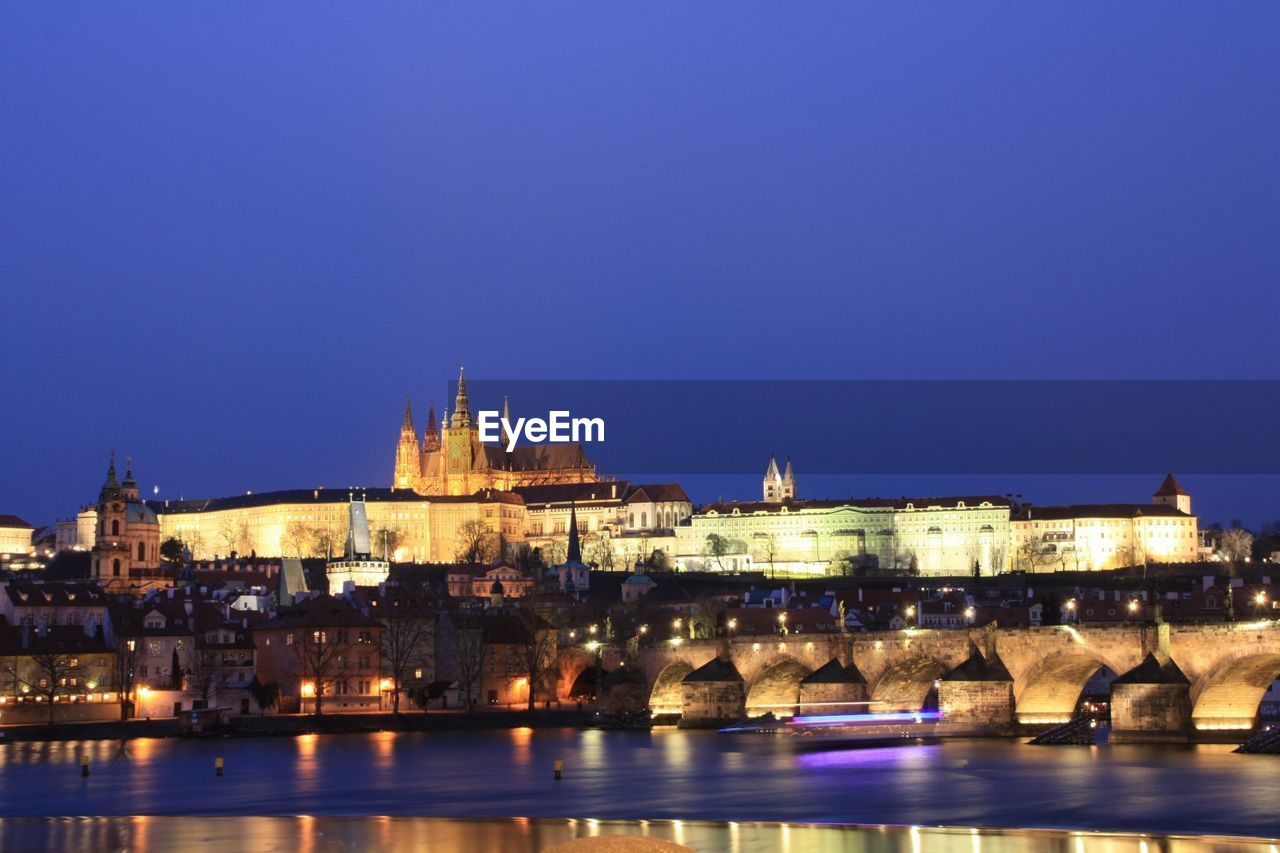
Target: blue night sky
{"points": [[233, 237]]}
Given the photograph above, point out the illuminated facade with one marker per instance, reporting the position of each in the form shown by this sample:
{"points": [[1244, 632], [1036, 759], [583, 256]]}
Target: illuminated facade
{"points": [[314, 522], [937, 536], [1107, 536], [452, 460], [15, 536]]}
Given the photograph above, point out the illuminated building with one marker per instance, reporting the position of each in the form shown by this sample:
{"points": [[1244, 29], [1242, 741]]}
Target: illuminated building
{"points": [[15, 536], [786, 534], [1107, 536], [322, 651], [452, 460], [126, 548], [314, 522]]}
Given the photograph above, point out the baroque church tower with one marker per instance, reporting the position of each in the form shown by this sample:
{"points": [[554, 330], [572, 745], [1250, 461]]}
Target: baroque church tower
{"points": [[128, 533]]}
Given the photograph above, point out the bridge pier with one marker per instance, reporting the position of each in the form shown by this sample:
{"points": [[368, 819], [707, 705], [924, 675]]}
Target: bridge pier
{"points": [[977, 697], [714, 695], [1151, 702]]}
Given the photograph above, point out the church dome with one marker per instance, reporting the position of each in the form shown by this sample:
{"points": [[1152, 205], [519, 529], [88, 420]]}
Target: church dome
{"points": [[140, 513]]}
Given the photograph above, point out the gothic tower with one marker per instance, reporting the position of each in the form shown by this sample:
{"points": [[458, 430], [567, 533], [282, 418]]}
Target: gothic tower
{"points": [[789, 482], [772, 483], [408, 461], [458, 440]]}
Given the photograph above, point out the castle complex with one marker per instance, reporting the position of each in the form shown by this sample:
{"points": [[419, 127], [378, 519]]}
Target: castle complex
{"points": [[453, 495]]}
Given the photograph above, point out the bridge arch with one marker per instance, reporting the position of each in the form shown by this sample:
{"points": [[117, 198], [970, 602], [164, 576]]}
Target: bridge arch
{"points": [[1228, 696], [1050, 692], [777, 688], [908, 685], [667, 696]]}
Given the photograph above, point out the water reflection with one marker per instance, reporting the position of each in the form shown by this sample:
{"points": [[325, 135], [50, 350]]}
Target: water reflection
{"points": [[664, 775], [310, 834]]}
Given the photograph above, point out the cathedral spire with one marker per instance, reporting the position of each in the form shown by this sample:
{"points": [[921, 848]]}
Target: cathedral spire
{"points": [[575, 546], [461, 409], [506, 419], [408, 416]]}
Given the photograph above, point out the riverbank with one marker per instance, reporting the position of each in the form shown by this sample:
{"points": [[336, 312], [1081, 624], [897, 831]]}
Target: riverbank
{"points": [[548, 834], [292, 725]]}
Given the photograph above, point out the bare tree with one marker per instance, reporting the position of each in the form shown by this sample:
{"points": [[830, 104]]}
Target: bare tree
{"points": [[244, 538], [767, 551], [406, 638], [327, 540], [468, 652], [475, 542], [714, 549], [44, 674], [297, 540], [317, 653], [599, 553], [555, 553], [126, 673], [386, 540], [537, 655], [203, 665], [228, 534], [1237, 545]]}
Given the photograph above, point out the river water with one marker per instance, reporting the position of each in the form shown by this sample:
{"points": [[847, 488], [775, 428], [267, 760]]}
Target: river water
{"points": [[663, 775]]}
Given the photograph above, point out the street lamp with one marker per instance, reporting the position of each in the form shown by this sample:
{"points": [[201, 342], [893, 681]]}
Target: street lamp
{"points": [[733, 624], [969, 613]]}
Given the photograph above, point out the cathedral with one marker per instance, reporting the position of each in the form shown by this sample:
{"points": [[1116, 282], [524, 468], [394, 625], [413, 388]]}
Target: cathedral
{"points": [[452, 460]]}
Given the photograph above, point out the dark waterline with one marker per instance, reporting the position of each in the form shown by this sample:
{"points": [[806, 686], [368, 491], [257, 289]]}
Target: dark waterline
{"points": [[663, 775]]}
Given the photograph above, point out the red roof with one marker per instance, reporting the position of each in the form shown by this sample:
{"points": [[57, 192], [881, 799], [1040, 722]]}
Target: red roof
{"points": [[1170, 487]]}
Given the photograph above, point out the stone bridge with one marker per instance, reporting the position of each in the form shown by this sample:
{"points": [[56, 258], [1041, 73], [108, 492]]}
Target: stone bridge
{"points": [[1175, 680]]}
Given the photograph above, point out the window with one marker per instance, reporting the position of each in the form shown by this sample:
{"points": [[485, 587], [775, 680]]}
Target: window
{"points": [[142, 552], [115, 528], [115, 568]]}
